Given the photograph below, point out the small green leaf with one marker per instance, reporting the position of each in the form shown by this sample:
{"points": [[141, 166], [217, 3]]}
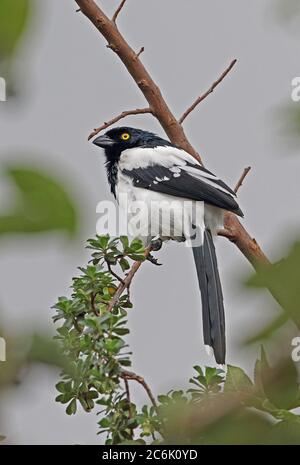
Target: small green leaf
{"points": [[237, 380], [124, 264], [104, 423], [72, 407]]}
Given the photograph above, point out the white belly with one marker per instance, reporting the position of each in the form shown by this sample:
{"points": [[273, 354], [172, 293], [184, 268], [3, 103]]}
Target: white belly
{"points": [[148, 214]]}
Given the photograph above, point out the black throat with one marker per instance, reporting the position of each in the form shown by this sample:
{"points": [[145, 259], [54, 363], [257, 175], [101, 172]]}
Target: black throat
{"points": [[112, 155]]}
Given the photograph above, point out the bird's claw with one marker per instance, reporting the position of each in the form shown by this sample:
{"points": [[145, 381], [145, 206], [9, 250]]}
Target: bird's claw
{"points": [[153, 260]]}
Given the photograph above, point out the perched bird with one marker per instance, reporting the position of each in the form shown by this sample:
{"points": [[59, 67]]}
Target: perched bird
{"points": [[145, 168]]}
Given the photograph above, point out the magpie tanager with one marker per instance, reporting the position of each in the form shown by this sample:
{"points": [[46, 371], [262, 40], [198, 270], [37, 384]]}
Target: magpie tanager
{"points": [[145, 168]]}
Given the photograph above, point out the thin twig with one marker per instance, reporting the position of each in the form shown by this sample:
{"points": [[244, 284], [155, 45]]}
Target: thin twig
{"points": [[142, 49], [93, 297], [105, 125], [127, 390], [207, 93], [129, 375], [127, 281], [118, 10], [242, 178], [113, 273]]}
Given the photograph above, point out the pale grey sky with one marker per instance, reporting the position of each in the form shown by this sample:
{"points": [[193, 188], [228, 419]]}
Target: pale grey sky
{"points": [[70, 82]]}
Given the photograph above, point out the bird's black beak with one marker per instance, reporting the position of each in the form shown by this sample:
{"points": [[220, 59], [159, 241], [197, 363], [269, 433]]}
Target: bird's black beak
{"points": [[103, 141]]}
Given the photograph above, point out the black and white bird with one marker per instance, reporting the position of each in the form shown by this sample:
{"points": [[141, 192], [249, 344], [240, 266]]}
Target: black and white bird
{"points": [[145, 168]]}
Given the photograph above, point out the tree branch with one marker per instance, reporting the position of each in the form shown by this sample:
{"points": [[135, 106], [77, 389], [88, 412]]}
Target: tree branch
{"points": [[139, 73], [207, 93], [129, 375], [105, 125], [126, 282], [118, 10], [174, 130], [242, 178], [237, 234], [127, 390]]}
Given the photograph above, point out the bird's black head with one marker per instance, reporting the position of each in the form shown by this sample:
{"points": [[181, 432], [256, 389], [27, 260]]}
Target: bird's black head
{"points": [[116, 140]]}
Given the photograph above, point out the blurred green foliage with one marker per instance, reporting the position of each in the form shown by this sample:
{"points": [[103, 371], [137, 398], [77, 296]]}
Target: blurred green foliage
{"points": [[24, 349], [287, 122], [283, 280], [42, 204], [14, 16]]}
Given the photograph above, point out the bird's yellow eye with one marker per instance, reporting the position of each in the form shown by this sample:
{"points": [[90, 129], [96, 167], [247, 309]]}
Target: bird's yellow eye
{"points": [[125, 136]]}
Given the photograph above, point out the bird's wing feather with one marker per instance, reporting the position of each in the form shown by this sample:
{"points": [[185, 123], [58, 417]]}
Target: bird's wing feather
{"points": [[186, 179]]}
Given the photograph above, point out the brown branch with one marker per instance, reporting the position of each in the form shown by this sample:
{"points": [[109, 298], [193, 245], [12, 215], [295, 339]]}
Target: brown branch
{"points": [[93, 304], [237, 234], [113, 273], [174, 130], [242, 178], [139, 73], [129, 375], [105, 125], [118, 10], [127, 390], [207, 93], [126, 282]]}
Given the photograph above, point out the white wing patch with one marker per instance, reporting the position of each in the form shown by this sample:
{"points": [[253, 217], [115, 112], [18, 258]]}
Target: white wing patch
{"points": [[142, 157], [174, 159]]}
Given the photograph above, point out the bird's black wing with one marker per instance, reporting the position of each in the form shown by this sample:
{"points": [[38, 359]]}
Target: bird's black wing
{"points": [[189, 181]]}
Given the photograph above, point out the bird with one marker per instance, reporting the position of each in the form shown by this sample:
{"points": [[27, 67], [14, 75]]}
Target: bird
{"points": [[143, 167]]}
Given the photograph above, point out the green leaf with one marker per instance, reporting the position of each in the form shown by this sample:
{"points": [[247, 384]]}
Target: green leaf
{"points": [[124, 264], [283, 280], [237, 380], [104, 423], [72, 407], [61, 387], [125, 242], [279, 383], [103, 241], [42, 204], [269, 330], [199, 370]]}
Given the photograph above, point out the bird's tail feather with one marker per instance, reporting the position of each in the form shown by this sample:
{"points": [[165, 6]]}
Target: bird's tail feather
{"points": [[212, 297]]}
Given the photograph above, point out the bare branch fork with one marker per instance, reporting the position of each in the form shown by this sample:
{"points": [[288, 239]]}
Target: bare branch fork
{"points": [[129, 375]]}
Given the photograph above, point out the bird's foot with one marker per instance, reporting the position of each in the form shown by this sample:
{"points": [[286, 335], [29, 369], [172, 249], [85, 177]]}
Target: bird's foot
{"points": [[153, 260]]}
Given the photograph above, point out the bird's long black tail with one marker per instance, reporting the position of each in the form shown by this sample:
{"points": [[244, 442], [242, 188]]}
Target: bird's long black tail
{"points": [[211, 295]]}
